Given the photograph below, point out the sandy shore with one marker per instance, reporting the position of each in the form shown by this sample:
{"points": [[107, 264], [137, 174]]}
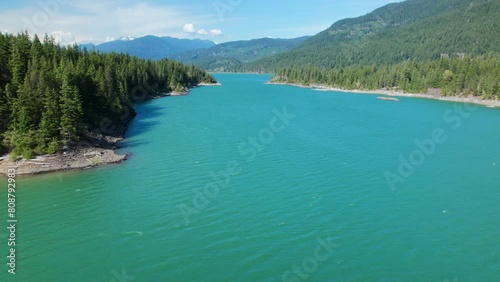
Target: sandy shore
{"points": [[461, 99]]}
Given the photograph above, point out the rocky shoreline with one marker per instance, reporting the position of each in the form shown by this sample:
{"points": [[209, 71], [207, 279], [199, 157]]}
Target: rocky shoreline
{"points": [[184, 93], [82, 158], [433, 94], [209, 84], [100, 150]]}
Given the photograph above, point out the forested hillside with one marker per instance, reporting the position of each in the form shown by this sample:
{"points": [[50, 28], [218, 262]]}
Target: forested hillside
{"points": [[478, 76], [413, 29], [50, 95]]}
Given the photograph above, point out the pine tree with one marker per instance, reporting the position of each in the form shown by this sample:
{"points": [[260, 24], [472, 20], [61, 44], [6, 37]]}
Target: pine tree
{"points": [[4, 112], [71, 111], [4, 59], [19, 58], [51, 117]]}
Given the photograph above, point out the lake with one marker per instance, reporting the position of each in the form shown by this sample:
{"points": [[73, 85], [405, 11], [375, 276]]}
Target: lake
{"points": [[256, 182]]}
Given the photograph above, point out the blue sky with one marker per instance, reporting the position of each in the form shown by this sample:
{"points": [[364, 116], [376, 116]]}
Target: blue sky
{"points": [[99, 21]]}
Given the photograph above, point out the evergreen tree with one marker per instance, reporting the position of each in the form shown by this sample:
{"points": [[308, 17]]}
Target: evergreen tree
{"points": [[51, 117], [71, 111], [19, 58]]}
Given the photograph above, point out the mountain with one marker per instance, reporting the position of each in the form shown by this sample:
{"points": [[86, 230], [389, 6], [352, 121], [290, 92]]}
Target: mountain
{"points": [[413, 29], [88, 46], [230, 55], [152, 47]]}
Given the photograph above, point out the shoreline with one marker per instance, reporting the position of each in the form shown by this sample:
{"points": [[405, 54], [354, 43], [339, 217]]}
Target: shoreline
{"points": [[394, 93], [184, 93], [239, 72], [79, 158], [208, 84]]}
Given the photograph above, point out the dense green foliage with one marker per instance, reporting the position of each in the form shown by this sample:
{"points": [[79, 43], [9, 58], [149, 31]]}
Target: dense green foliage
{"points": [[449, 46], [230, 56], [413, 29], [152, 47], [51, 95], [470, 76]]}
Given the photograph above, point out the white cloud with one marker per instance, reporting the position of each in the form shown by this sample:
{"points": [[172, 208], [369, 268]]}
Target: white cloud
{"points": [[216, 32], [64, 38], [189, 28], [96, 19], [202, 32]]}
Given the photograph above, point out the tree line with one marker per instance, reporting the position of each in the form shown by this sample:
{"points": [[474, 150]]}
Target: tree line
{"points": [[476, 76], [50, 95]]}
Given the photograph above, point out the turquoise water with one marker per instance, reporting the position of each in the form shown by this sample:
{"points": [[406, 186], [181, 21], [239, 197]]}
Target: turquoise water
{"points": [[304, 199]]}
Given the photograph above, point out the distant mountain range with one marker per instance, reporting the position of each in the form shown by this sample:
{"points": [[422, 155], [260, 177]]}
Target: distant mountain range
{"points": [[232, 55], [151, 47], [202, 53]]}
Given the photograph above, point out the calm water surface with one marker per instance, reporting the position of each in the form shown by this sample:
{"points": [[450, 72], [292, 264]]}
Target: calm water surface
{"points": [[309, 201]]}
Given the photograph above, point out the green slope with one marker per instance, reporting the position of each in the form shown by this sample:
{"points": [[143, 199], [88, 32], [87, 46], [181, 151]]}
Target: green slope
{"points": [[414, 29]]}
